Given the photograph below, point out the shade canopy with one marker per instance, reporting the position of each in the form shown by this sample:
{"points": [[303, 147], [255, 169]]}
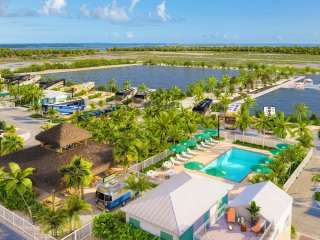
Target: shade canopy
{"points": [[189, 143], [194, 165], [283, 146], [275, 151], [267, 160], [211, 132], [178, 148], [261, 169], [202, 136]]}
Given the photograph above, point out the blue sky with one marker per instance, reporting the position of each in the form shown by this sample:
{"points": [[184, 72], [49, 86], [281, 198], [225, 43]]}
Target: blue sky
{"points": [[160, 21]]}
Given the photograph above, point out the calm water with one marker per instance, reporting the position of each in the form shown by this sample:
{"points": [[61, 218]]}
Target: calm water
{"points": [[285, 99], [152, 76]]}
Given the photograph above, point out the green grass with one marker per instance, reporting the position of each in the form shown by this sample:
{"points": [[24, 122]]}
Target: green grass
{"points": [[246, 144]]}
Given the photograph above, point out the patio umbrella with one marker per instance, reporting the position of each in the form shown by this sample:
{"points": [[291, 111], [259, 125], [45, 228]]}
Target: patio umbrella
{"points": [[178, 148], [283, 146], [215, 172], [275, 151], [202, 136], [189, 143], [261, 169], [267, 160], [211, 132], [194, 165]]}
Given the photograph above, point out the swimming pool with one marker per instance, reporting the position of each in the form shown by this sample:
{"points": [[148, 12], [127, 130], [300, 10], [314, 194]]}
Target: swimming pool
{"points": [[234, 164]]}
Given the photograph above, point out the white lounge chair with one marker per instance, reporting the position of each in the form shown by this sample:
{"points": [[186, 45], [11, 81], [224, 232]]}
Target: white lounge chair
{"points": [[186, 155], [189, 151], [204, 145], [182, 159], [177, 163]]}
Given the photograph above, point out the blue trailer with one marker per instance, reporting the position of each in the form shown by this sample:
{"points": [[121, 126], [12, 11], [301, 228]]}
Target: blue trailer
{"points": [[111, 193]]}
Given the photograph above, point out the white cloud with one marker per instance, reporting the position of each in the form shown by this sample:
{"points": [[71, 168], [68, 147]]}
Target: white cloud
{"points": [[111, 12], [133, 5], [162, 11], [84, 11], [53, 7], [129, 35]]}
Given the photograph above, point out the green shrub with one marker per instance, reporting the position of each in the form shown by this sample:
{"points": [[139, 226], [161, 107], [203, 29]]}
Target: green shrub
{"points": [[317, 196], [109, 226], [95, 96], [293, 232]]}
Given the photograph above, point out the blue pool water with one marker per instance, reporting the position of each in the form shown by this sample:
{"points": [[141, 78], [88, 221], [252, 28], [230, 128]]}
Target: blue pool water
{"points": [[234, 164]]}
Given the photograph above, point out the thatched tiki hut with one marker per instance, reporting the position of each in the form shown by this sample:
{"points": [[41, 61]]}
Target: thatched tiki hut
{"points": [[63, 136]]}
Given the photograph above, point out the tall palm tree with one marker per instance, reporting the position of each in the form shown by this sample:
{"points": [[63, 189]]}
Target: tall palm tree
{"points": [[262, 124], [53, 220], [301, 112], [243, 119], [73, 207], [77, 174], [224, 101], [18, 181], [112, 85], [282, 126], [126, 84]]}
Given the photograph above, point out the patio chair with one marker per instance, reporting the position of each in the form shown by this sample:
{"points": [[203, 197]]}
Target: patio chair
{"points": [[189, 151], [177, 163], [231, 215], [258, 227], [205, 145], [181, 158], [186, 155]]}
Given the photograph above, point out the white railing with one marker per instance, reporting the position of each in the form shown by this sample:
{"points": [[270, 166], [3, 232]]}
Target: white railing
{"points": [[298, 170], [22, 226], [258, 140], [83, 233], [150, 161]]}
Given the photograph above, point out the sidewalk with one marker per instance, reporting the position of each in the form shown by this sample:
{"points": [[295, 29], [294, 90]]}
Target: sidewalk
{"points": [[306, 214]]}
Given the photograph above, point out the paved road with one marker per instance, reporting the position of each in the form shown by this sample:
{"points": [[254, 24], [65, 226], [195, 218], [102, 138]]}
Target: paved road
{"points": [[26, 126], [7, 234], [306, 214]]}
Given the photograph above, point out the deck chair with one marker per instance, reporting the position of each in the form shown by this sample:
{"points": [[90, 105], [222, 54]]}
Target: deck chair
{"points": [[257, 228], [231, 215]]}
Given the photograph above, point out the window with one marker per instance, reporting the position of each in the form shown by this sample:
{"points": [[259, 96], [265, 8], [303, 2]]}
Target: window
{"points": [[134, 222], [165, 236]]}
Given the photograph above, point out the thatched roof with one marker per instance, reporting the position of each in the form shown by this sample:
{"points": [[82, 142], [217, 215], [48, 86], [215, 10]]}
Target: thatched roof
{"points": [[47, 163], [63, 135]]}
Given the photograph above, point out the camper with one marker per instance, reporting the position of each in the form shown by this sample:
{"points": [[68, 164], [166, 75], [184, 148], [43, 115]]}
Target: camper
{"points": [[111, 193]]}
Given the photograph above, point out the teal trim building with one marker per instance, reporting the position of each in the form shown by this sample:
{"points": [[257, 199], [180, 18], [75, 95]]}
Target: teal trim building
{"points": [[176, 209]]}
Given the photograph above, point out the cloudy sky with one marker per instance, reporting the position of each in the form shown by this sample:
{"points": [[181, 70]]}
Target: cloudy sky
{"points": [[160, 21]]}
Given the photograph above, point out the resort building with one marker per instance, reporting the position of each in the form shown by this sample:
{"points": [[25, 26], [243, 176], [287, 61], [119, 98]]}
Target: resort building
{"points": [[180, 206], [192, 206], [55, 97]]}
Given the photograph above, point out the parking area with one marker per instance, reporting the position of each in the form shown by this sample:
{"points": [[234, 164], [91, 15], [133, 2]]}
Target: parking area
{"points": [[27, 127]]}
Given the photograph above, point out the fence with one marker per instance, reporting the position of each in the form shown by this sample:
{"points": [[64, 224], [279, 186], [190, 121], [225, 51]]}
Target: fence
{"points": [[22, 226], [150, 161], [298, 170], [83, 233], [258, 140]]}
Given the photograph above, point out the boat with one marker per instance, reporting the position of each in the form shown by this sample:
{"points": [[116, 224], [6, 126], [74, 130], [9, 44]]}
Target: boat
{"points": [[203, 107]]}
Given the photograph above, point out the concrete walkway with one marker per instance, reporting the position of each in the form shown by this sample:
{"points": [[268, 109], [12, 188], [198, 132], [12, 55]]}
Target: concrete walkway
{"points": [[306, 214], [27, 127]]}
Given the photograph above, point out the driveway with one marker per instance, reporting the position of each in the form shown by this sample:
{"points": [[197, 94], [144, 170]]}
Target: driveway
{"points": [[306, 214], [27, 127]]}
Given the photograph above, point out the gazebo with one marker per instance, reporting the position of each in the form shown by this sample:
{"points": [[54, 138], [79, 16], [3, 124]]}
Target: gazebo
{"points": [[63, 136]]}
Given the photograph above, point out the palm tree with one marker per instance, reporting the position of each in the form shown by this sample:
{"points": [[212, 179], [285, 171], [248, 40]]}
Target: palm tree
{"points": [[73, 207], [77, 174], [262, 124], [52, 114], [17, 181], [254, 211], [126, 84], [304, 134], [10, 143], [243, 119], [224, 101], [301, 112], [142, 87], [282, 126], [112, 85], [138, 184]]}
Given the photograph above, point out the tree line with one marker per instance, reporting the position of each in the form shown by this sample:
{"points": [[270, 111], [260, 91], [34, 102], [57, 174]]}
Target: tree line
{"points": [[9, 52], [255, 49]]}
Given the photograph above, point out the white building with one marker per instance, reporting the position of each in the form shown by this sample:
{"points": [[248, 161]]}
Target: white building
{"points": [[53, 97], [180, 206], [275, 204]]}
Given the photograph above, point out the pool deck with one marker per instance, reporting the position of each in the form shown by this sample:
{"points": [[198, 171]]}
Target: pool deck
{"points": [[207, 156]]}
